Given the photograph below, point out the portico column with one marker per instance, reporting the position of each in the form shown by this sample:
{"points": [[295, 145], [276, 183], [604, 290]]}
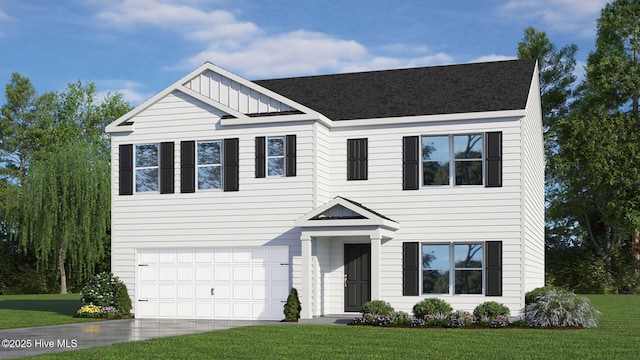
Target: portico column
{"points": [[376, 243], [305, 292]]}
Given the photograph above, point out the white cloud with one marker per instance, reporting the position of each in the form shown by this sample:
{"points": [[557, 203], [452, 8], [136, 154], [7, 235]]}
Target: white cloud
{"points": [[245, 48], [568, 16], [130, 90], [492, 57]]}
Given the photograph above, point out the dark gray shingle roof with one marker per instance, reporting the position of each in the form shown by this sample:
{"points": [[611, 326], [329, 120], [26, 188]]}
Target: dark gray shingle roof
{"points": [[491, 86]]}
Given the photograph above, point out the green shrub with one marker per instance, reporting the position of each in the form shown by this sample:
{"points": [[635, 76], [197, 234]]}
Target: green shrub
{"points": [[489, 310], [400, 318], [106, 290], [377, 307], [562, 308], [531, 296], [431, 306], [292, 306]]}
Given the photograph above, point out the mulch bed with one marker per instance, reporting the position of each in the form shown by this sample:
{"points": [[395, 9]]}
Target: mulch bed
{"points": [[475, 327]]}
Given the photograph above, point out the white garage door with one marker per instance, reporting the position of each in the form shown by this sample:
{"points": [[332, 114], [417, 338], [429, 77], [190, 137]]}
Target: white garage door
{"points": [[213, 283]]}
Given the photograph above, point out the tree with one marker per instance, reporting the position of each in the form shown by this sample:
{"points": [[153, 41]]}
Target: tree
{"points": [[556, 69], [25, 124], [599, 156], [66, 199]]}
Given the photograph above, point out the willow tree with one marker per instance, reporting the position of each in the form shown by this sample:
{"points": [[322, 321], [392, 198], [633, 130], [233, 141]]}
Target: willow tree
{"points": [[65, 209]]}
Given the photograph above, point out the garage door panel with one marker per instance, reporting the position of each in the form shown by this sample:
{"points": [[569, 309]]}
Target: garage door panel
{"points": [[166, 273], [247, 283], [185, 291], [167, 291]]}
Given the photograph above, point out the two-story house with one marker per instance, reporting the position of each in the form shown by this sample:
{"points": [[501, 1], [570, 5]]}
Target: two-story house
{"points": [[394, 185]]}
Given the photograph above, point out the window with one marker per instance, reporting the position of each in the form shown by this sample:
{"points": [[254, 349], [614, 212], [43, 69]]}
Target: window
{"points": [[146, 168], [452, 268], [275, 156], [209, 165], [439, 167]]}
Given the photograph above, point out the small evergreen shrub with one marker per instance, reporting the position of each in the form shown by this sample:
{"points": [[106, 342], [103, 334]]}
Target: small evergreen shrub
{"points": [[105, 290], [431, 306], [401, 318], [489, 310], [377, 307], [531, 296], [292, 306], [562, 308]]}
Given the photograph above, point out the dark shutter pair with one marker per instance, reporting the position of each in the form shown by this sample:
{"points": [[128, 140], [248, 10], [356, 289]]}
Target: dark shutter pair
{"points": [[166, 168], [411, 161], [188, 166], [411, 268], [357, 159], [289, 161]]}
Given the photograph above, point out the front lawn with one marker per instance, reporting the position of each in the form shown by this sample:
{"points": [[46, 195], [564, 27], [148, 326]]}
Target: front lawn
{"points": [[615, 338], [36, 310]]}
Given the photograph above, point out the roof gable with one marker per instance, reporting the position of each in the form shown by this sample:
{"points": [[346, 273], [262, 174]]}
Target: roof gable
{"points": [[451, 89], [344, 212]]}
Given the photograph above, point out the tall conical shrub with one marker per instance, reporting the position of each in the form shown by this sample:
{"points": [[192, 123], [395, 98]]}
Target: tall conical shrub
{"points": [[292, 307]]}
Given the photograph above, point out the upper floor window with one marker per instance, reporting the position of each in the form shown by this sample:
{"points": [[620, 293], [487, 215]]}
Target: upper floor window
{"points": [[275, 156], [147, 168], [452, 159], [209, 165], [357, 159]]}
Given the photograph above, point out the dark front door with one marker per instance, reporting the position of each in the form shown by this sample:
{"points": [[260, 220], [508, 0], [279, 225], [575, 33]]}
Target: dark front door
{"points": [[357, 270]]}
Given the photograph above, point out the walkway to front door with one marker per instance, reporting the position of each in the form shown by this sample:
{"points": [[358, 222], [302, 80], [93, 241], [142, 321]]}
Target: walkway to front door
{"points": [[357, 271]]}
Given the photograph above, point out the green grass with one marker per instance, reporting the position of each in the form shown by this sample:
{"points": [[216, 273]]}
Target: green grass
{"points": [[36, 310], [617, 337]]}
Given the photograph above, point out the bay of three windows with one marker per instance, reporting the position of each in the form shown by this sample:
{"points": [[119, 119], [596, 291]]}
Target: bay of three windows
{"points": [[209, 169]]}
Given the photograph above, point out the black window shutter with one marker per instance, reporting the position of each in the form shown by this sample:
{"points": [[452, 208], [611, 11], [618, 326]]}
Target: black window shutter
{"points": [[494, 268], [493, 173], [166, 168], [357, 159], [187, 166], [290, 162], [410, 268], [231, 165], [260, 156], [125, 169], [410, 163]]}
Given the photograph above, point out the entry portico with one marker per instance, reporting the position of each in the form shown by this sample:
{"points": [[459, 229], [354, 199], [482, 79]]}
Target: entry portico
{"points": [[340, 258]]}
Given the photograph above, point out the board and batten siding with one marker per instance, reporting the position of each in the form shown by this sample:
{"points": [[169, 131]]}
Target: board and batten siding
{"points": [[533, 164], [261, 213], [234, 95], [432, 214]]}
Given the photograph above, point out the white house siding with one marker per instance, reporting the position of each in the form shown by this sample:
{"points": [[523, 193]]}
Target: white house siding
{"points": [[443, 214], [261, 213], [323, 164], [234, 95], [533, 191]]}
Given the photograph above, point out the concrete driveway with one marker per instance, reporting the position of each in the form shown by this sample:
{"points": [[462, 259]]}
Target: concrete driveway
{"points": [[51, 339]]}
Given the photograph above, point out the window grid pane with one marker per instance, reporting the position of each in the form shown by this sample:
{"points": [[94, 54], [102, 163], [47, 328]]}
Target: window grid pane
{"points": [[435, 160], [435, 269], [209, 165], [275, 156], [147, 168]]}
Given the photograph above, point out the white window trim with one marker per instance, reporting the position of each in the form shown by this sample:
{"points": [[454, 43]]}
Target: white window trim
{"points": [[283, 156], [221, 165], [452, 162], [136, 168], [452, 268]]}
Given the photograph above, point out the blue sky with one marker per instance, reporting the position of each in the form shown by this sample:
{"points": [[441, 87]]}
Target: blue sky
{"points": [[139, 47]]}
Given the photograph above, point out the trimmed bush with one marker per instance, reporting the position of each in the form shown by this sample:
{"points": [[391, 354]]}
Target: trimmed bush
{"points": [[292, 306], [562, 308], [106, 290], [431, 306], [489, 310], [401, 318], [531, 296], [377, 307]]}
